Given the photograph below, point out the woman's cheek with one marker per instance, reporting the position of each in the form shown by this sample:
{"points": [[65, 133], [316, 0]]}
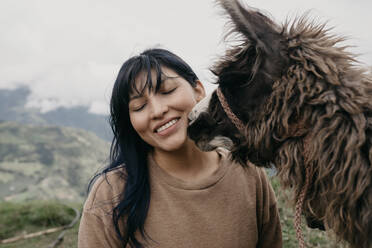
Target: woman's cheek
{"points": [[138, 122], [186, 101]]}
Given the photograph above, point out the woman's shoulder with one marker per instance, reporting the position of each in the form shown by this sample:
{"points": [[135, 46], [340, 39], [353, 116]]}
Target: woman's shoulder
{"points": [[254, 177], [106, 190], [248, 169]]}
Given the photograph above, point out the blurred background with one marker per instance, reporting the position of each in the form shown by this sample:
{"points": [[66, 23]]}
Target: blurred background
{"points": [[58, 62]]}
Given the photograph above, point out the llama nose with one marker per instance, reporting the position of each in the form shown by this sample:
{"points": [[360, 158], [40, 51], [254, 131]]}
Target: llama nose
{"points": [[201, 106], [192, 116]]}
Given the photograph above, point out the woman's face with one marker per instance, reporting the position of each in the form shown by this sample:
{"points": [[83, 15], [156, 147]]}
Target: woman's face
{"points": [[160, 118]]}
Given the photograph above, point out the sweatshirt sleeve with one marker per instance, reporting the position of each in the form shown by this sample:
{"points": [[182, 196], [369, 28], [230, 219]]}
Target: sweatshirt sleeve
{"points": [[270, 233], [96, 225], [95, 233]]}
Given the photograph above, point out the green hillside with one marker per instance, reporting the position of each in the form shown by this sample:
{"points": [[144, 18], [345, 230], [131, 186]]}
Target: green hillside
{"points": [[47, 162]]}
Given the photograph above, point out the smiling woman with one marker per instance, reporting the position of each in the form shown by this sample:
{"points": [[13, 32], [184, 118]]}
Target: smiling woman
{"points": [[158, 113], [160, 190]]}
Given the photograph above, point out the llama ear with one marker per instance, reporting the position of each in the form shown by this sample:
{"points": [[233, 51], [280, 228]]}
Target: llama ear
{"points": [[256, 27]]}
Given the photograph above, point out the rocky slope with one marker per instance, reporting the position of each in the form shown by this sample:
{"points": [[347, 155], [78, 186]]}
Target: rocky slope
{"points": [[48, 162]]}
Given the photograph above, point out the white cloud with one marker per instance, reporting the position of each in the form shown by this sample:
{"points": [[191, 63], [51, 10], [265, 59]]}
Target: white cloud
{"points": [[70, 51]]}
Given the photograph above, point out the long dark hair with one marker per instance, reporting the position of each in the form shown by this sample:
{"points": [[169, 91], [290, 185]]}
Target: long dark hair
{"points": [[127, 148]]}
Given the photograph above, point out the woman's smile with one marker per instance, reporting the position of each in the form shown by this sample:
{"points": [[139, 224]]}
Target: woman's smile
{"points": [[167, 128]]}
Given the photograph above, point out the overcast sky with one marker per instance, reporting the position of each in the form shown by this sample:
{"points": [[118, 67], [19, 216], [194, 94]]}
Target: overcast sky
{"points": [[69, 51]]}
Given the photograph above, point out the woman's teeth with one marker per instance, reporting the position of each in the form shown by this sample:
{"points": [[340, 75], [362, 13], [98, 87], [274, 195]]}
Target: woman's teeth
{"points": [[165, 126]]}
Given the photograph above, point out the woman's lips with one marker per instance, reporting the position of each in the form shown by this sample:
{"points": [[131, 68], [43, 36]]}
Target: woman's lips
{"points": [[167, 128]]}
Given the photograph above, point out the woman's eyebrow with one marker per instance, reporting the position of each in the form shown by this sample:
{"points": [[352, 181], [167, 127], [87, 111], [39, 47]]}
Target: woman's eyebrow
{"points": [[135, 96], [165, 80], [169, 81]]}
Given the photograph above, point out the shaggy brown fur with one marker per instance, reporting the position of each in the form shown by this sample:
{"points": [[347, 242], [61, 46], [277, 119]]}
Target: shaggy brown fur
{"points": [[290, 84]]}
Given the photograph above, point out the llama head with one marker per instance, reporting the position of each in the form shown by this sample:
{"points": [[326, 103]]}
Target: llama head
{"points": [[306, 107], [246, 75], [211, 130]]}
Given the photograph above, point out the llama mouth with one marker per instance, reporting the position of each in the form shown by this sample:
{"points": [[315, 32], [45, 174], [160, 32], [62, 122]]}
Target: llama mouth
{"points": [[167, 125]]}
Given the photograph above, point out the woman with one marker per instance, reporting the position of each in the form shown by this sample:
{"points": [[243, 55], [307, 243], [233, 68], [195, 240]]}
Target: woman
{"points": [[160, 190]]}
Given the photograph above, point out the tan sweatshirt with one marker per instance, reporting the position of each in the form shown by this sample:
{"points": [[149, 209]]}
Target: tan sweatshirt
{"points": [[235, 207]]}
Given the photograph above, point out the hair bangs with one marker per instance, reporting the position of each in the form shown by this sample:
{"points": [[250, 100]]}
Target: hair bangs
{"points": [[143, 76]]}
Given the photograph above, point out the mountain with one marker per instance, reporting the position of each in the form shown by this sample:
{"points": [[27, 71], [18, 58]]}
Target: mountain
{"points": [[13, 108], [48, 162], [79, 117]]}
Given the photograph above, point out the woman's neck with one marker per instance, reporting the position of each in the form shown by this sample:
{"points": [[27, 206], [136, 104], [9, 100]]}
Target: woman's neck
{"points": [[187, 163]]}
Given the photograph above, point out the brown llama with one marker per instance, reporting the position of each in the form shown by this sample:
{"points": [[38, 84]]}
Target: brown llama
{"points": [[299, 101]]}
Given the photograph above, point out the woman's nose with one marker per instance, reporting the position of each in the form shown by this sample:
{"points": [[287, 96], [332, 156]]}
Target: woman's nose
{"points": [[158, 108]]}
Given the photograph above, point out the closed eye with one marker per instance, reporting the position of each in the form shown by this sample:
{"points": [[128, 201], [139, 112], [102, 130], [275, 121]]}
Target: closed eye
{"points": [[139, 108], [169, 91]]}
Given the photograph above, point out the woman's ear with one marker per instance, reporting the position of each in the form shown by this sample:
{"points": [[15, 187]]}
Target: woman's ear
{"points": [[199, 90]]}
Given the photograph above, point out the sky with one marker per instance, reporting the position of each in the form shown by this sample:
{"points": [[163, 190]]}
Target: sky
{"points": [[69, 52]]}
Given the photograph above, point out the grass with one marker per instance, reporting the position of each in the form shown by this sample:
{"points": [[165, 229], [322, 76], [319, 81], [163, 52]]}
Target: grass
{"points": [[29, 217], [18, 218], [312, 237]]}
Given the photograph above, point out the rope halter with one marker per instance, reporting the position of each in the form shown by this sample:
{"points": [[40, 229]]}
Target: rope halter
{"points": [[233, 118]]}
